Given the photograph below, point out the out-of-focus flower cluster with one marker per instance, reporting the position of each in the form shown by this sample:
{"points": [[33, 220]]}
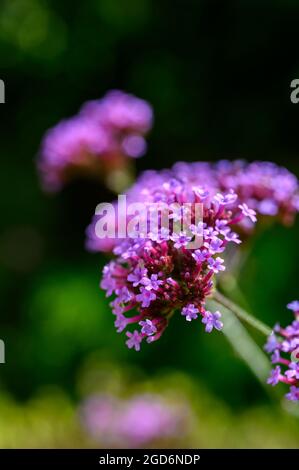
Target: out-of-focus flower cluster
{"points": [[138, 421], [99, 140], [50, 418], [283, 345], [160, 273]]}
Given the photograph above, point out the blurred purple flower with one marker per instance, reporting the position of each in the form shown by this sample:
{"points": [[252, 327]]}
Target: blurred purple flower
{"points": [[284, 346], [134, 422], [134, 340], [274, 376], [293, 394], [97, 141], [294, 306]]}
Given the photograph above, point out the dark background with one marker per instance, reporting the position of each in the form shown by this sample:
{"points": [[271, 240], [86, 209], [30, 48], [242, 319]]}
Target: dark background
{"points": [[218, 77]]}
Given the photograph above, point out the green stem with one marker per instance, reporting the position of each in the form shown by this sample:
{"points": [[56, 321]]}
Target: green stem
{"points": [[242, 314]]}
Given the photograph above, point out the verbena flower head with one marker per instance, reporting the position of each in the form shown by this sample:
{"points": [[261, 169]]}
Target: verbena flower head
{"points": [[134, 422], [283, 345], [98, 140], [262, 188], [156, 276], [269, 189]]}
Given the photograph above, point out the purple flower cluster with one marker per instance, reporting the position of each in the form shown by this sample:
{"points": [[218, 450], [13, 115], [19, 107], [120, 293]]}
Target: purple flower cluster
{"points": [[135, 422], [97, 140], [269, 189], [283, 345], [159, 275], [262, 187]]}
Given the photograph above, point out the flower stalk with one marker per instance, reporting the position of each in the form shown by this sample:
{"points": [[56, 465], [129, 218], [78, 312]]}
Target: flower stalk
{"points": [[242, 314]]}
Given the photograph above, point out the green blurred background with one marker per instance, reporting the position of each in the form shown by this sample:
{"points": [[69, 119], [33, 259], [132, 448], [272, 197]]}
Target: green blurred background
{"points": [[218, 76]]}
